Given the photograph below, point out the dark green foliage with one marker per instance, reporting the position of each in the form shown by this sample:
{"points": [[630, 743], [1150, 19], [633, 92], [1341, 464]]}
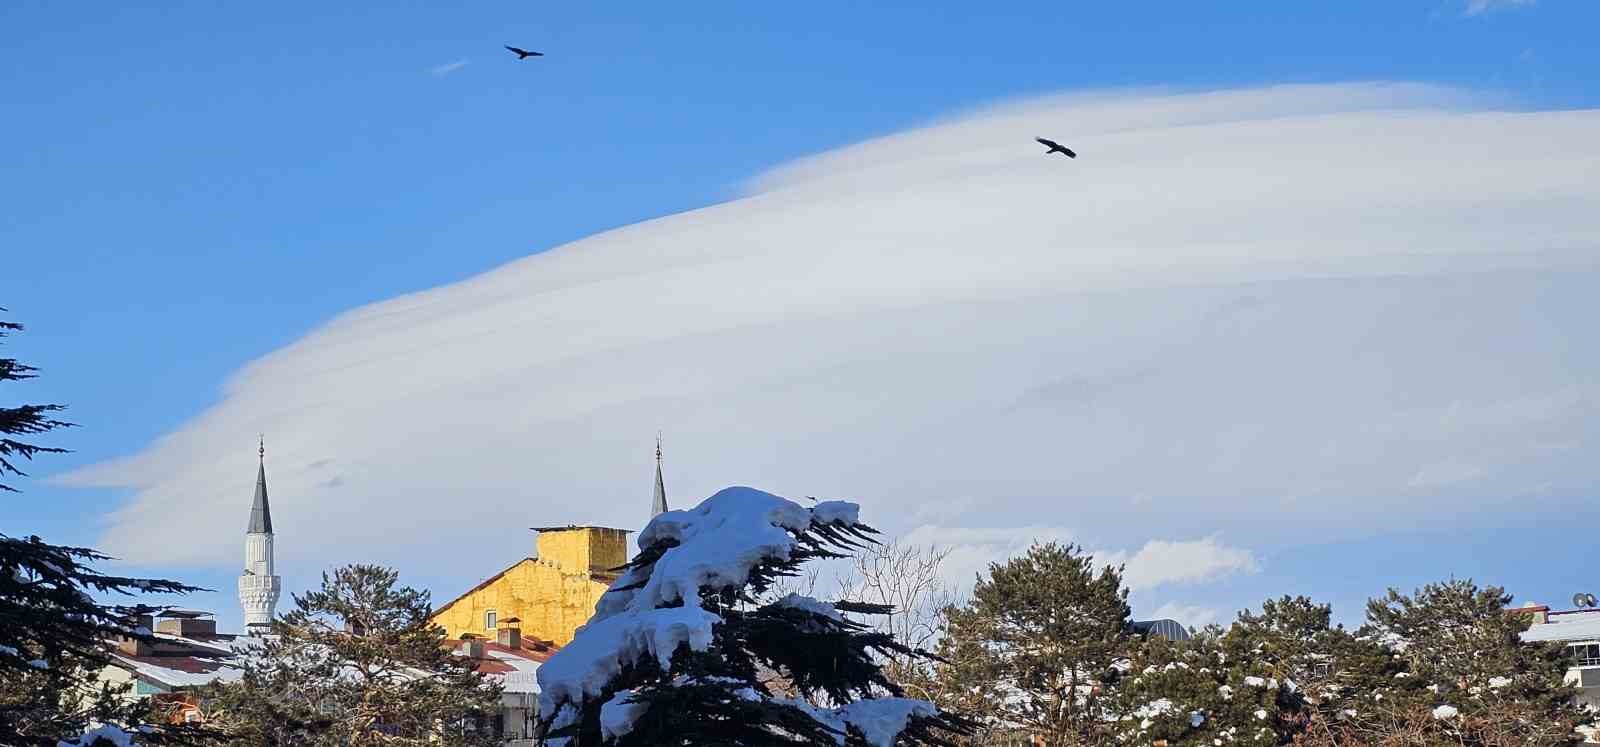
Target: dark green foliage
{"points": [[1036, 648], [357, 662], [52, 633]]}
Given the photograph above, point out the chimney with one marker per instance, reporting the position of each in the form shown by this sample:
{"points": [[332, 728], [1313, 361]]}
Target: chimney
{"points": [[473, 648], [141, 624], [186, 622], [509, 633], [133, 647]]}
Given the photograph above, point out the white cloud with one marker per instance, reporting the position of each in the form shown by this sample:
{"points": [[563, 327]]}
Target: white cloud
{"points": [[1157, 563], [1474, 7], [1258, 311], [1162, 562], [972, 549], [448, 67]]}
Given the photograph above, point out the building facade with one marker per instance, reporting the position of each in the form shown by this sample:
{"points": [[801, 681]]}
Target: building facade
{"points": [[552, 592], [1579, 630]]}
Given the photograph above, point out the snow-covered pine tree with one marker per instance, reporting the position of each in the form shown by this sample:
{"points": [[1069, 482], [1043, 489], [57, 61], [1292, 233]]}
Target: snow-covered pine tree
{"points": [[680, 652]]}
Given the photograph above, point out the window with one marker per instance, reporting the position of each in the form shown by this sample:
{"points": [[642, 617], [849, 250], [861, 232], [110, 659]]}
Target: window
{"points": [[488, 620], [1322, 669], [1585, 654]]}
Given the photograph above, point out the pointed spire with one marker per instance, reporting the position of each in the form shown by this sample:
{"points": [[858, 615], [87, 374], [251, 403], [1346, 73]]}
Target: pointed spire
{"points": [[260, 511], [659, 506]]}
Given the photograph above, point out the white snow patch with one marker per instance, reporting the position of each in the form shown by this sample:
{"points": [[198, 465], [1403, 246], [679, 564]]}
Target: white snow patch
{"points": [[881, 720], [1495, 683], [1445, 712], [107, 732], [618, 715], [1261, 713], [829, 512], [602, 648], [808, 604]]}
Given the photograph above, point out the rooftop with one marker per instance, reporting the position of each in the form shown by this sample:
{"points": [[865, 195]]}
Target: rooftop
{"points": [[1567, 625]]}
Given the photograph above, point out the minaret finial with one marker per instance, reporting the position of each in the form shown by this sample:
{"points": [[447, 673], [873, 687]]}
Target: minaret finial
{"points": [[261, 446], [658, 447]]}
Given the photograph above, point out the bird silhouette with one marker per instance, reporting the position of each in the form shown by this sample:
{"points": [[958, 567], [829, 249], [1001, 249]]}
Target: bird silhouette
{"points": [[523, 54], [1056, 147]]}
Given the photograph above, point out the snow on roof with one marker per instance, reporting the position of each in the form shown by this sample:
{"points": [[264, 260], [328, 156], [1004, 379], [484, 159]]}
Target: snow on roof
{"points": [[183, 614], [1570, 627], [179, 671], [516, 669]]}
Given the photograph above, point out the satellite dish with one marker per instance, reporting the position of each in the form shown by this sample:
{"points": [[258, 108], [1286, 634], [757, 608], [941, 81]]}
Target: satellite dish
{"points": [[1580, 599], [1588, 599]]}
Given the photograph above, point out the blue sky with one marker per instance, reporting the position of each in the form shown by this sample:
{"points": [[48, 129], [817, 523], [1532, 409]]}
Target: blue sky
{"points": [[191, 186]]}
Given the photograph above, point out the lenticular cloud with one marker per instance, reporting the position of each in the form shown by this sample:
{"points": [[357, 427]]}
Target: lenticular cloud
{"points": [[1322, 305]]}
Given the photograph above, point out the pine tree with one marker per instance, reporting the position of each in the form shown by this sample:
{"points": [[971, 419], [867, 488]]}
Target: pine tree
{"points": [[357, 663], [682, 652], [1039, 643], [1258, 681], [1454, 669], [53, 635], [1195, 693]]}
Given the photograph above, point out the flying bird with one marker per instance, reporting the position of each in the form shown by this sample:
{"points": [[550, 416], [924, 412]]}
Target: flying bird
{"points": [[523, 54], [1056, 147]]}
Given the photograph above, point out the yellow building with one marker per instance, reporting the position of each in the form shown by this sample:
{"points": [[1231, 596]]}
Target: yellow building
{"points": [[553, 593]]}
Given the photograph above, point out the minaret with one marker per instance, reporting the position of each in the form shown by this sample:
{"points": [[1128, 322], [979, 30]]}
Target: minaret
{"points": [[258, 587], [659, 506]]}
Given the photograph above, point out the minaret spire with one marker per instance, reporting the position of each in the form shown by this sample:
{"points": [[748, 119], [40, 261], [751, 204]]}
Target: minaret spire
{"points": [[258, 585], [260, 509], [659, 505]]}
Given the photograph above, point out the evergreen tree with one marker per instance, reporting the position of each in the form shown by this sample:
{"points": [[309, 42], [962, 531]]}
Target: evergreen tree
{"points": [[1038, 646], [681, 651], [53, 635], [1195, 692], [357, 663], [1454, 669]]}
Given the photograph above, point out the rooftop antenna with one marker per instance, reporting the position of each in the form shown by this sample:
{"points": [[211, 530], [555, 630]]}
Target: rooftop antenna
{"points": [[1583, 599]]}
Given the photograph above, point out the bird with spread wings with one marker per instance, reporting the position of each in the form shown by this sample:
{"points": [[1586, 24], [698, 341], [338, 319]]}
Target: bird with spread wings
{"points": [[523, 54], [1056, 147]]}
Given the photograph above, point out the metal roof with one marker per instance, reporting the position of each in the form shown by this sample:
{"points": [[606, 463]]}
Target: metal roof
{"points": [[1584, 627], [1171, 630], [260, 511]]}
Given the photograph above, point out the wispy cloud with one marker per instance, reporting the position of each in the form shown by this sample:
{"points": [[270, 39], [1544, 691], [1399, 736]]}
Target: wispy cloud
{"points": [[1163, 562], [1156, 563], [448, 67], [1474, 7], [946, 317]]}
